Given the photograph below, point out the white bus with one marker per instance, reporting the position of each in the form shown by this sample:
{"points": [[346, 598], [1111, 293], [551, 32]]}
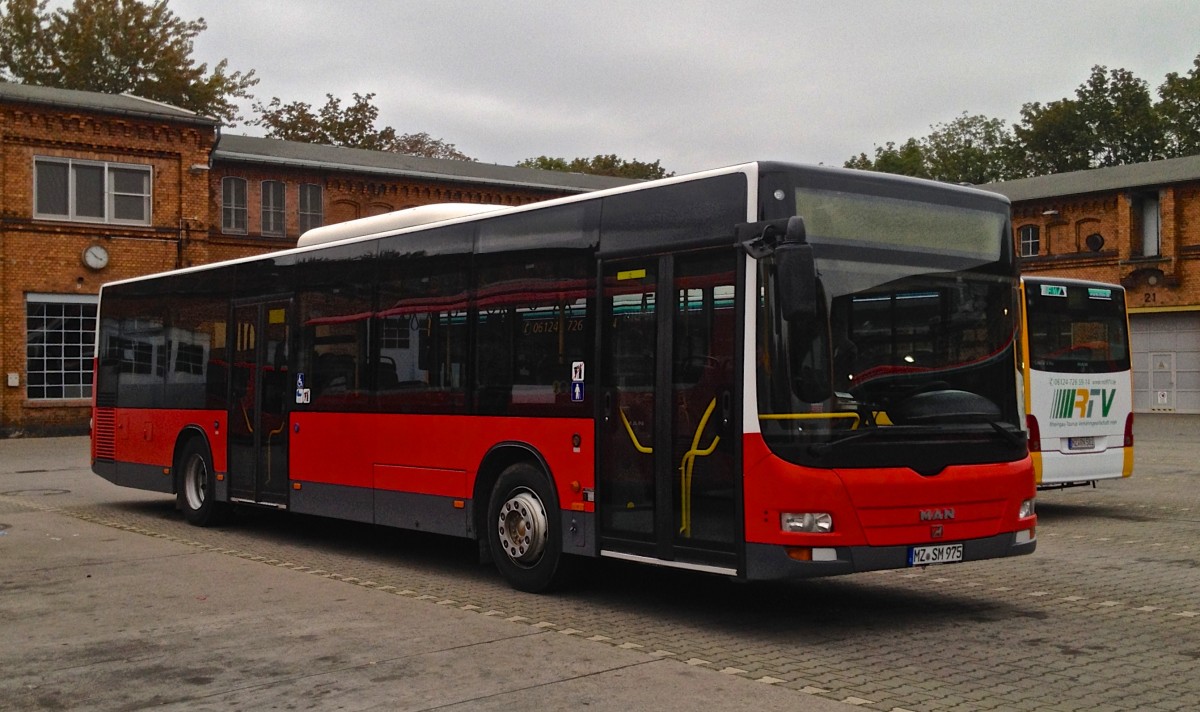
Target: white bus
{"points": [[1078, 382]]}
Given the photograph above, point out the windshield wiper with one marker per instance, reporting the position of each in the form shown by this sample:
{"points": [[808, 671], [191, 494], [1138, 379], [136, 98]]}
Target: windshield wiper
{"points": [[820, 449]]}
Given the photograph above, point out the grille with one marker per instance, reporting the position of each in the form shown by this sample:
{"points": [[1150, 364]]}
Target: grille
{"points": [[104, 433]]}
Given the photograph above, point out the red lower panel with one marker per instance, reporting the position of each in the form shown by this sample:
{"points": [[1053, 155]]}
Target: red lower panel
{"points": [[148, 437], [432, 454]]}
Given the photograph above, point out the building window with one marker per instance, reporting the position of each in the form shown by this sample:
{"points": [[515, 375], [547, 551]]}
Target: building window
{"points": [[91, 191], [311, 214], [60, 334], [1030, 240], [272, 208], [233, 205], [1147, 206]]}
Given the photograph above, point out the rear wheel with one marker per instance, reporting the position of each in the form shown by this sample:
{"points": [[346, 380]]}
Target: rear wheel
{"points": [[196, 494], [525, 530]]}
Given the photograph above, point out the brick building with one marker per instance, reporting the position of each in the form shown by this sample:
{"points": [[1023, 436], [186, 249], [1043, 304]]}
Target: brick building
{"points": [[96, 188], [1135, 225]]}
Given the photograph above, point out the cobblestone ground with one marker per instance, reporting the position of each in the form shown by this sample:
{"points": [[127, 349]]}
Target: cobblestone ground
{"points": [[1104, 616]]}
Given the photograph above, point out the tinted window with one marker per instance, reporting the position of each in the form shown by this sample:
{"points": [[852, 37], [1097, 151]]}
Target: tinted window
{"points": [[335, 302], [702, 212], [532, 325], [421, 320], [133, 349]]}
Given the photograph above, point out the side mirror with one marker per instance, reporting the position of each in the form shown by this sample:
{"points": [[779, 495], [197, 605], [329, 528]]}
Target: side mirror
{"points": [[796, 273]]}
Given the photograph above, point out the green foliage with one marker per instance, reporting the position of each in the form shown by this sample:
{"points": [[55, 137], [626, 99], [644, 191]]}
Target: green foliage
{"points": [[352, 127], [1112, 120], [600, 165], [117, 46], [1180, 111]]}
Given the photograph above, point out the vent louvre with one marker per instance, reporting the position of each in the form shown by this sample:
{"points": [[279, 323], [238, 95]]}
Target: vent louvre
{"points": [[104, 433]]}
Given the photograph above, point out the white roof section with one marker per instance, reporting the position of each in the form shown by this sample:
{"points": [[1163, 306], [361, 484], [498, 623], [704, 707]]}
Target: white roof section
{"points": [[387, 222]]}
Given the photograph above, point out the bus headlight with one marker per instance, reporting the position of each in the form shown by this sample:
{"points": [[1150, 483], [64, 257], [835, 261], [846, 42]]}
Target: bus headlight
{"points": [[1027, 509], [810, 522]]}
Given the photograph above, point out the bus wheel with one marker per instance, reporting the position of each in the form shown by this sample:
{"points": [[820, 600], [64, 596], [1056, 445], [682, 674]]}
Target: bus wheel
{"points": [[525, 530], [197, 486]]}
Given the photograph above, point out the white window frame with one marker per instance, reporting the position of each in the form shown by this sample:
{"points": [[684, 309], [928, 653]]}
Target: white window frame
{"points": [[312, 210], [234, 209], [273, 217], [109, 196], [84, 342], [1035, 241]]}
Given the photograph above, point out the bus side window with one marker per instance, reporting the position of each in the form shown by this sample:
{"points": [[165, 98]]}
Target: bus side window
{"points": [[532, 325], [335, 337]]}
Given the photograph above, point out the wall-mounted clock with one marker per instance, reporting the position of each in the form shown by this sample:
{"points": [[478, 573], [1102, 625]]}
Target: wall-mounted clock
{"points": [[95, 257]]}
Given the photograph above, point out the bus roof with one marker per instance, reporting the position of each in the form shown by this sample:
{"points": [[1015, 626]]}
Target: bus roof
{"points": [[400, 221]]}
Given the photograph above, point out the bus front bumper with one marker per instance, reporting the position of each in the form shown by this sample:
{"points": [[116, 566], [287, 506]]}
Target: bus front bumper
{"points": [[773, 562]]}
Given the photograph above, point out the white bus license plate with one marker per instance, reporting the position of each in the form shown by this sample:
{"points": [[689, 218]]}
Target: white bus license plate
{"points": [[940, 554], [1087, 443]]}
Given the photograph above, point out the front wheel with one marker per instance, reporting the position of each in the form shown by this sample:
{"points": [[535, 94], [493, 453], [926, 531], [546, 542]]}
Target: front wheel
{"points": [[525, 530], [196, 494]]}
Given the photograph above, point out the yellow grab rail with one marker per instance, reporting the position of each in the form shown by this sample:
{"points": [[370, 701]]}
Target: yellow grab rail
{"points": [[686, 467], [813, 416], [629, 429]]}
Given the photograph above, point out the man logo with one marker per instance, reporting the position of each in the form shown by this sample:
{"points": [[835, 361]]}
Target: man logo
{"points": [[937, 515], [935, 532]]}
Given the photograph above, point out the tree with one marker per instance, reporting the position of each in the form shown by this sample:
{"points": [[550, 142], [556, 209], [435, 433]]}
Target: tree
{"points": [[1120, 113], [1112, 120], [1179, 109], [907, 160], [352, 127], [969, 149], [600, 165], [117, 46], [1054, 138]]}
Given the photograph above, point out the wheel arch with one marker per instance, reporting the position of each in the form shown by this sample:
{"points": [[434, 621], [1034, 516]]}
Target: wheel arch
{"points": [[500, 457], [188, 435]]}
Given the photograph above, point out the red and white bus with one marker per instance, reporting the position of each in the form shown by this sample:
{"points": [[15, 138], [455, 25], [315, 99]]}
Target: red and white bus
{"points": [[765, 371]]}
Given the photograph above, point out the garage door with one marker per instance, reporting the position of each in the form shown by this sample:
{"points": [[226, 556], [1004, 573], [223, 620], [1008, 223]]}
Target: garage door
{"points": [[1166, 362]]}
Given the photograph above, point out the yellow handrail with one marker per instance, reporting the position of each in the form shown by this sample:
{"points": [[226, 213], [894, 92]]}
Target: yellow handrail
{"points": [[686, 467], [813, 416], [629, 429]]}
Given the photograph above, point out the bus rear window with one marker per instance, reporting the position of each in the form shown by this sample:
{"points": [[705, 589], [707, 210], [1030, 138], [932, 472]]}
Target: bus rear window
{"points": [[1076, 329]]}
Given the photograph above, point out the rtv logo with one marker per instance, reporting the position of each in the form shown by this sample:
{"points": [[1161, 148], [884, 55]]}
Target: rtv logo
{"points": [[1081, 402]]}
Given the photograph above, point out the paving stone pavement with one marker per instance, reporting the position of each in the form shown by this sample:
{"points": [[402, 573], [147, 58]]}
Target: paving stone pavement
{"points": [[1104, 616]]}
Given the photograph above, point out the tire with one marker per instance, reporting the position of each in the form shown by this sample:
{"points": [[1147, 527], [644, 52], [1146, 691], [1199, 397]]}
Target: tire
{"points": [[196, 492], [524, 530]]}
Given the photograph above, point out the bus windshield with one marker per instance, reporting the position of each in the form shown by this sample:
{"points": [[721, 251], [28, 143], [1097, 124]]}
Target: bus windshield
{"points": [[912, 340], [1076, 328]]}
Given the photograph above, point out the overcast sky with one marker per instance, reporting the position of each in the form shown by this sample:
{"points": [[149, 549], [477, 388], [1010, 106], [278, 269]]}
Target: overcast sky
{"points": [[697, 84]]}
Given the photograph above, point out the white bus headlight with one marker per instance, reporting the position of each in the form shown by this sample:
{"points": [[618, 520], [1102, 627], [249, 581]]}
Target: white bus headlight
{"points": [[811, 522], [1027, 509]]}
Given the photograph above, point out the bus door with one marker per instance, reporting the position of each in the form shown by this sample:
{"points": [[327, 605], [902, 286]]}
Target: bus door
{"points": [[668, 483], [258, 435]]}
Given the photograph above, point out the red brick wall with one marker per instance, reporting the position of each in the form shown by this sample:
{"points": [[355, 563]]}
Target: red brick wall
{"points": [[1168, 281], [44, 256]]}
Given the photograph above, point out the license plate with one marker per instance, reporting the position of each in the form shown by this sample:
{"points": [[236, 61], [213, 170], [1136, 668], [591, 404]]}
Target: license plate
{"points": [[1081, 443], [940, 554]]}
